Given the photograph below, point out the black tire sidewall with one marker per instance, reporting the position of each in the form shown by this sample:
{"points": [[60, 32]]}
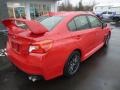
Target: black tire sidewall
{"points": [[106, 42], [66, 68]]}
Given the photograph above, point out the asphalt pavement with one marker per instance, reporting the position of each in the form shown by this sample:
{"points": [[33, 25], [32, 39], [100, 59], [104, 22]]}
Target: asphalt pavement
{"points": [[100, 72]]}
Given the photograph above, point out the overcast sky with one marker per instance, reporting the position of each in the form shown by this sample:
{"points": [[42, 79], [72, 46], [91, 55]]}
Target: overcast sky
{"points": [[87, 2]]}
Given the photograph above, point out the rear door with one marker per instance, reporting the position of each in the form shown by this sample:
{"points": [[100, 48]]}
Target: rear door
{"points": [[82, 33]]}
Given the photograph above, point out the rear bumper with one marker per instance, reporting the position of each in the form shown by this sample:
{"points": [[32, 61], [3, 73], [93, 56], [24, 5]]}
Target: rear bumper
{"points": [[36, 64], [30, 64], [24, 66]]}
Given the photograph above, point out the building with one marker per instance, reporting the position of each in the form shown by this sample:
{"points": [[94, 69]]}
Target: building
{"points": [[3, 12], [30, 9], [111, 7]]}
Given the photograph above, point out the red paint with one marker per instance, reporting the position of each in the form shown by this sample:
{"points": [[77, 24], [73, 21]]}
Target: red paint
{"points": [[51, 49]]}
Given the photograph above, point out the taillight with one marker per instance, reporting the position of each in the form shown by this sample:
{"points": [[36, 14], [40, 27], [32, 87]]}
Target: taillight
{"points": [[41, 47]]}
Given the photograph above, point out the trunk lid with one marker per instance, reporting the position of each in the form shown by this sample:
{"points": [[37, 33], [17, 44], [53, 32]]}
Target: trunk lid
{"points": [[19, 33], [19, 44]]}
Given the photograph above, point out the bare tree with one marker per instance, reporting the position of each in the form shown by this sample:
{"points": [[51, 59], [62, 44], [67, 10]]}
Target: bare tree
{"points": [[80, 7], [66, 7]]}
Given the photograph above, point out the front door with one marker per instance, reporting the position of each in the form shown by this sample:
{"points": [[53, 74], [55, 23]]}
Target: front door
{"points": [[96, 24]]}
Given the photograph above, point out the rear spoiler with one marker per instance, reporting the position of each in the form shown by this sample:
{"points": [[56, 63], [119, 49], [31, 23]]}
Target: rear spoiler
{"points": [[32, 25]]}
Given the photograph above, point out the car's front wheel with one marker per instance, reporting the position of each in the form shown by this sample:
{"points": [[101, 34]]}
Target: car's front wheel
{"points": [[107, 38], [72, 65]]}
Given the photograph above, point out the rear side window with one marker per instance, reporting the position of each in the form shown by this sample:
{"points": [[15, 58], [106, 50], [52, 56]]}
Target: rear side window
{"points": [[81, 22], [51, 22], [72, 26], [95, 22]]}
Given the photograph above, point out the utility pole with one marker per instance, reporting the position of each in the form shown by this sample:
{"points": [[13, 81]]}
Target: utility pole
{"points": [[3, 12]]}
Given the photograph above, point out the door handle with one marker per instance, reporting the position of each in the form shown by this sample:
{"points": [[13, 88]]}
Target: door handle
{"points": [[77, 37]]}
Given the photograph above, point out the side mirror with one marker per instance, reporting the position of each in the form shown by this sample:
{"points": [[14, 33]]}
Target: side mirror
{"points": [[104, 25]]}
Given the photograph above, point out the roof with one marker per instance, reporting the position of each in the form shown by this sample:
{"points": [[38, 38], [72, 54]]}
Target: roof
{"points": [[65, 13]]}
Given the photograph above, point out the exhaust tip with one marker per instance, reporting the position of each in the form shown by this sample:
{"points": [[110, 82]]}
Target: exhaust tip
{"points": [[34, 78]]}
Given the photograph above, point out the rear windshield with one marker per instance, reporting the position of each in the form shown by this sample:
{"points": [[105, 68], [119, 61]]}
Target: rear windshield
{"points": [[41, 18], [51, 22]]}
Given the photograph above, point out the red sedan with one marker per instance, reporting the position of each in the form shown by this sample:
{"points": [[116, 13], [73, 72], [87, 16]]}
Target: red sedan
{"points": [[56, 45]]}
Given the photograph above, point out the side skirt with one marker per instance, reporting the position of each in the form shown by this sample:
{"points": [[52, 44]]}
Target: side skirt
{"points": [[92, 51]]}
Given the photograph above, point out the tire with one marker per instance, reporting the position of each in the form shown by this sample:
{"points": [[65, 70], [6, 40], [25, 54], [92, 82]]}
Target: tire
{"points": [[116, 19], [106, 42], [15, 67], [72, 65]]}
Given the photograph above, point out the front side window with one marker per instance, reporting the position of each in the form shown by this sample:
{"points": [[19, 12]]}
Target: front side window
{"points": [[94, 21], [81, 22], [51, 22]]}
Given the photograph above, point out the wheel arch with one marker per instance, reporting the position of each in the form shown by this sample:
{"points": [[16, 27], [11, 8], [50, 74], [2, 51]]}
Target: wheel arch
{"points": [[79, 50]]}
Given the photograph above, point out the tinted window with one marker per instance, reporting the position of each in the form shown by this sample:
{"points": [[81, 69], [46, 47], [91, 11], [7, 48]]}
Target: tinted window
{"points": [[51, 22], [81, 22], [41, 18], [94, 21], [104, 13], [109, 12], [72, 25]]}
